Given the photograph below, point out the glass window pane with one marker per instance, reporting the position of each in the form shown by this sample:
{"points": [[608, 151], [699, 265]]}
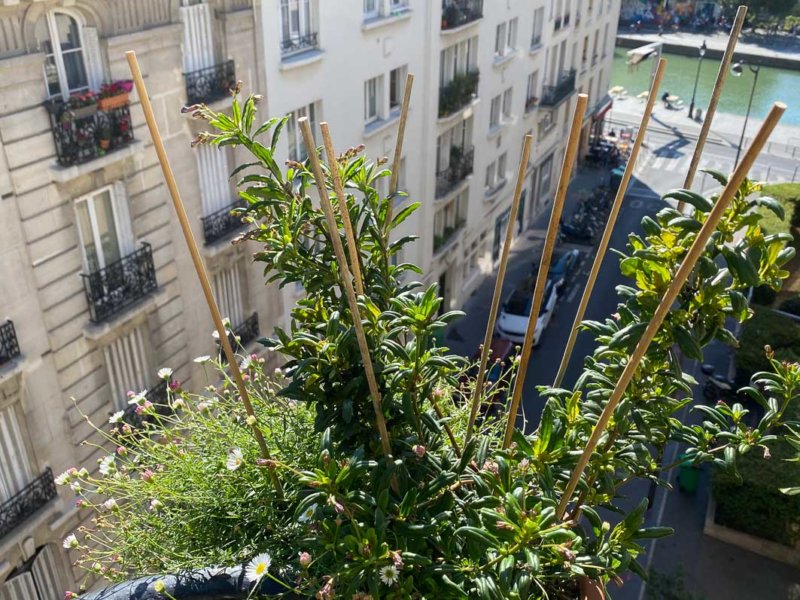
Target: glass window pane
{"points": [[87, 239], [42, 35], [67, 30], [75, 70], [51, 76], [104, 213]]}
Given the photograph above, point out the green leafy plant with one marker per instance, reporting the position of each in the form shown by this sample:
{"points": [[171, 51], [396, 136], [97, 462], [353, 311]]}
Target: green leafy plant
{"points": [[438, 517]]}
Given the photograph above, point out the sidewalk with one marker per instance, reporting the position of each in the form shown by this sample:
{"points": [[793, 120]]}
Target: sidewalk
{"points": [[779, 48]]}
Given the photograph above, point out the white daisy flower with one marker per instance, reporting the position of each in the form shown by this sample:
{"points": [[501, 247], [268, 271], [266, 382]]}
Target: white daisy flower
{"points": [[202, 359], [70, 542], [389, 574], [156, 504], [75, 486], [63, 479], [165, 373], [138, 398], [308, 514], [235, 459], [116, 417], [245, 364], [258, 567], [110, 504], [107, 465]]}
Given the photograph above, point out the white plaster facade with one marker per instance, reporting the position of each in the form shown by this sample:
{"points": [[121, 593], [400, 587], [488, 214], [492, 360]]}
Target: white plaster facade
{"points": [[312, 57]]}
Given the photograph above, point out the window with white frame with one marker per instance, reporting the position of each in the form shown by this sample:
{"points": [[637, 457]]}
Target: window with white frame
{"points": [[545, 176], [229, 293], [494, 112], [458, 59], [104, 227], [532, 93], [397, 85], [449, 218], [371, 9], [511, 42], [37, 579], [496, 174], [507, 99], [453, 144], [605, 39], [72, 53], [215, 187], [15, 467], [501, 167], [538, 26], [297, 149], [594, 46], [128, 366], [373, 91], [295, 25], [500, 40]]}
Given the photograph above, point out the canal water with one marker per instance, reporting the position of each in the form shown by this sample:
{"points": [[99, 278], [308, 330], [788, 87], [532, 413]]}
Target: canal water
{"points": [[773, 84]]}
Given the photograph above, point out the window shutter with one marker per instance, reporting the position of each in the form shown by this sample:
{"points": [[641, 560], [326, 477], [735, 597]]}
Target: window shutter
{"points": [[122, 217], [15, 472], [20, 587], [45, 574], [198, 41], [94, 59]]}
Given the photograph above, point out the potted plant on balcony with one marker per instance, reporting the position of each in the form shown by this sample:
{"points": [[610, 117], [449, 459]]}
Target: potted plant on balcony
{"points": [[113, 95], [80, 105], [330, 513], [104, 136]]}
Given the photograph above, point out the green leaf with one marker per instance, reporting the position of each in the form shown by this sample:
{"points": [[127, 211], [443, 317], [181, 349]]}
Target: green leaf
{"points": [[689, 197], [721, 178]]}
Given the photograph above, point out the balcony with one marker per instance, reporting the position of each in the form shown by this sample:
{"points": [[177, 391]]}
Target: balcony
{"points": [[85, 133], [9, 347], [458, 170], [246, 332], [218, 225], [210, 84], [157, 396], [456, 13], [298, 44], [442, 240], [15, 510], [553, 95], [120, 284], [458, 93]]}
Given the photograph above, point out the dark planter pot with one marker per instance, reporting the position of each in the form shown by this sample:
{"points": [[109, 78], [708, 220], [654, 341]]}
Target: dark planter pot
{"points": [[208, 584]]}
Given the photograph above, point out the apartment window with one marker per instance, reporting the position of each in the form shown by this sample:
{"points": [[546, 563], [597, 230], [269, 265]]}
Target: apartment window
{"points": [[507, 97], [15, 471], [297, 149], [104, 227], [585, 50], [59, 35], [491, 174], [538, 25], [545, 176], [458, 59], [127, 362], [532, 92], [605, 39], [513, 25], [296, 33], [372, 99], [38, 579], [501, 167], [453, 144], [228, 291], [500, 226], [500, 40], [594, 46], [212, 167], [494, 113], [371, 9], [397, 83]]}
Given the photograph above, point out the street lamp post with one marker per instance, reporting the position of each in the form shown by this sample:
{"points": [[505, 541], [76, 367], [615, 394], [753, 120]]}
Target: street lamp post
{"points": [[737, 69], [703, 48]]}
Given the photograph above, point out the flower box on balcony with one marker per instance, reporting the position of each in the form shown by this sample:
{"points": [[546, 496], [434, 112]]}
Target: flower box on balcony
{"points": [[112, 102]]}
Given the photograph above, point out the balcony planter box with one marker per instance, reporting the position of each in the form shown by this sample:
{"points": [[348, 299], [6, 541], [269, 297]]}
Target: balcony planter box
{"points": [[112, 102]]}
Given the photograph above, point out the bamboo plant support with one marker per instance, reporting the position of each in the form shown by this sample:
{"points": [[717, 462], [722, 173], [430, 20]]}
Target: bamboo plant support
{"points": [[544, 264], [347, 284], [612, 220], [199, 266], [398, 148], [498, 286], [350, 235], [708, 228], [722, 74]]}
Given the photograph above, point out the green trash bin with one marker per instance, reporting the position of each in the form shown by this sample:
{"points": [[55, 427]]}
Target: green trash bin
{"points": [[688, 475]]}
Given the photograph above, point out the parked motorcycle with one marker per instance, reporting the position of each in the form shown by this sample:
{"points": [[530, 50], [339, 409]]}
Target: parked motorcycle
{"points": [[717, 387]]}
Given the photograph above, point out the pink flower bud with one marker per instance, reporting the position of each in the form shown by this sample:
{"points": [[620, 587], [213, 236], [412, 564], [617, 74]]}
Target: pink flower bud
{"points": [[419, 451], [305, 559]]}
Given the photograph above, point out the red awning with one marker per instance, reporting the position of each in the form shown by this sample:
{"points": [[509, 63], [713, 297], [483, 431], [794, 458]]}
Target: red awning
{"points": [[600, 113]]}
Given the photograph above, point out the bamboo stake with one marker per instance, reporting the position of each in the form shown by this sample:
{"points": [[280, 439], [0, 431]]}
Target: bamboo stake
{"points": [[722, 74], [612, 219], [398, 148], [544, 263], [191, 244], [347, 284], [696, 250], [348, 226], [498, 285]]}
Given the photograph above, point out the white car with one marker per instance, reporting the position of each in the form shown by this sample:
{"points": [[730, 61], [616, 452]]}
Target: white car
{"points": [[513, 320]]}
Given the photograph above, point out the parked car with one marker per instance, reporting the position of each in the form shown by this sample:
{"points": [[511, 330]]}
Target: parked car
{"points": [[563, 267], [513, 320], [501, 354]]}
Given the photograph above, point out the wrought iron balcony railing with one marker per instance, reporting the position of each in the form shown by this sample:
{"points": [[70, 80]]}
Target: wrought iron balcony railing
{"points": [[120, 284], [458, 92], [221, 223], [296, 44], [440, 241], [157, 396], [552, 95], [9, 347], [85, 133], [456, 13], [27, 501], [247, 331], [460, 167], [210, 84]]}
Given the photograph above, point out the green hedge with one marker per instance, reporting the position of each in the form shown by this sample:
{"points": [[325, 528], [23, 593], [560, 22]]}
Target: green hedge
{"points": [[755, 504]]}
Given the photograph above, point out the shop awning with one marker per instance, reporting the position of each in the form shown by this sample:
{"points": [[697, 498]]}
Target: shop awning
{"points": [[603, 107]]}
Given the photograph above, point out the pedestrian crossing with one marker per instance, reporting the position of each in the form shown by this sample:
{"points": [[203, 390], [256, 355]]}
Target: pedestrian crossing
{"points": [[651, 164]]}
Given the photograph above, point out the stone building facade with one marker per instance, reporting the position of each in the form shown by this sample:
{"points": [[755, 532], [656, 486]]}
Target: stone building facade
{"points": [[97, 290]]}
